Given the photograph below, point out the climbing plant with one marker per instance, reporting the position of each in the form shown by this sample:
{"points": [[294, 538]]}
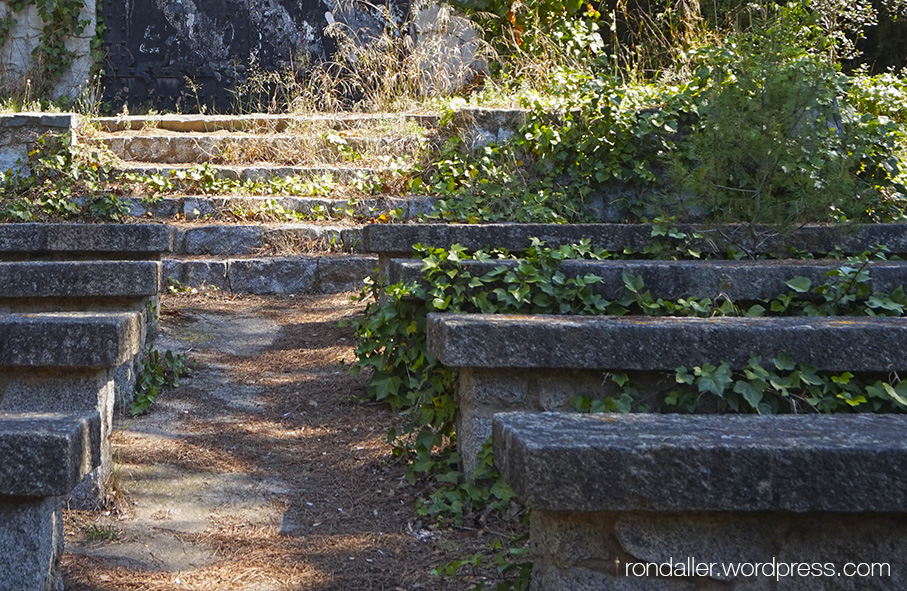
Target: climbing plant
{"points": [[62, 19]]}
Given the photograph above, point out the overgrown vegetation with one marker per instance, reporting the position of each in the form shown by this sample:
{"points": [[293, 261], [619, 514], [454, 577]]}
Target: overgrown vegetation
{"points": [[155, 371], [760, 126]]}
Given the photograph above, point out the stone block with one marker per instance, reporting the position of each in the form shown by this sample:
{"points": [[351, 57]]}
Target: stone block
{"points": [[630, 343], [223, 240], [69, 339], [45, 454], [31, 544], [80, 279], [343, 273], [197, 273], [397, 239], [102, 240], [753, 280], [569, 539], [279, 275], [663, 463]]}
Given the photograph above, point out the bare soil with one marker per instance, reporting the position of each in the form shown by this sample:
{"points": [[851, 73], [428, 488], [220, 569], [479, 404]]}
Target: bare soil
{"points": [[264, 470]]}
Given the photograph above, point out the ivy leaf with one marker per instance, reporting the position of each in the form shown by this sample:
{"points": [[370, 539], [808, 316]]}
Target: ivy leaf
{"points": [[783, 363], [750, 393], [799, 284], [714, 379], [895, 395]]}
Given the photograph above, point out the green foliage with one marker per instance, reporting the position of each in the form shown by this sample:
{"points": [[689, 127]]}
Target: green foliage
{"points": [[65, 179], [762, 129], [62, 20], [779, 386], [775, 140], [510, 565], [155, 372]]}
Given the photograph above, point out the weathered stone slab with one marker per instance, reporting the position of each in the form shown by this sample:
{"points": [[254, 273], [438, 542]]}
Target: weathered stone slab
{"points": [[336, 274], [700, 551], [100, 240], [397, 239], [46, 455], [252, 123], [31, 543], [80, 279], [19, 131], [235, 240], [664, 343], [277, 275], [642, 462], [736, 280], [69, 339]]}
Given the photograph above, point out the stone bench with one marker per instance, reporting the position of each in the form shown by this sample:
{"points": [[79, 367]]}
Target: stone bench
{"points": [[671, 280], [44, 456], [396, 240], [621, 501], [84, 241], [67, 362], [540, 363]]}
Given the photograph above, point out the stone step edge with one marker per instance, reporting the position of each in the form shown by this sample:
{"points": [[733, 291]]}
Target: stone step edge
{"points": [[481, 119], [205, 123], [120, 240], [643, 343], [280, 275], [192, 207], [244, 173], [69, 339], [397, 240], [672, 280], [47, 454], [80, 279], [652, 462]]}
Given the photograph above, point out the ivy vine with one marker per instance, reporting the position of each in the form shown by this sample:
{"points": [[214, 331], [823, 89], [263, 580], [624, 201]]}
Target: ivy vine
{"points": [[62, 20]]}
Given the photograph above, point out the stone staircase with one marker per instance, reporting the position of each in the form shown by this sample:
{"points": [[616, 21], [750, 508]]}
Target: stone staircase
{"points": [[272, 204], [77, 303]]}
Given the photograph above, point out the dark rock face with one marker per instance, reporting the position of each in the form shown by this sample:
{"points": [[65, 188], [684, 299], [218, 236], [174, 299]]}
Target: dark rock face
{"points": [[156, 45]]}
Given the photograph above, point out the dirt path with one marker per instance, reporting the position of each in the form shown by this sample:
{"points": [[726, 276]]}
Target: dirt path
{"points": [[263, 471]]}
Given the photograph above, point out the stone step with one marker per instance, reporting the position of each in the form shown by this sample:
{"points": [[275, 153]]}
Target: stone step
{"points": [[79, 241], [686, 497], [69, 339], [299, 274], [671, 280], [265, 172], [394, 241], [98, 281], [286, 149], [257, 123], [574, 462], [44, 457], [47, 454], [637, 343], [271, 207]]}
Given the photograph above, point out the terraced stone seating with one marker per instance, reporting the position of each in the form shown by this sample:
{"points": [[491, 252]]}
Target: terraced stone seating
{"points": [[45, 455], [617, 497], [76, 304], [540, 363], [669, 502]]}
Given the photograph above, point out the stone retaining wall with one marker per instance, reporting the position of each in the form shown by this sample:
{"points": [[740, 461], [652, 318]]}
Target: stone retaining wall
{"points": [[18, 133], [17, 60]]}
